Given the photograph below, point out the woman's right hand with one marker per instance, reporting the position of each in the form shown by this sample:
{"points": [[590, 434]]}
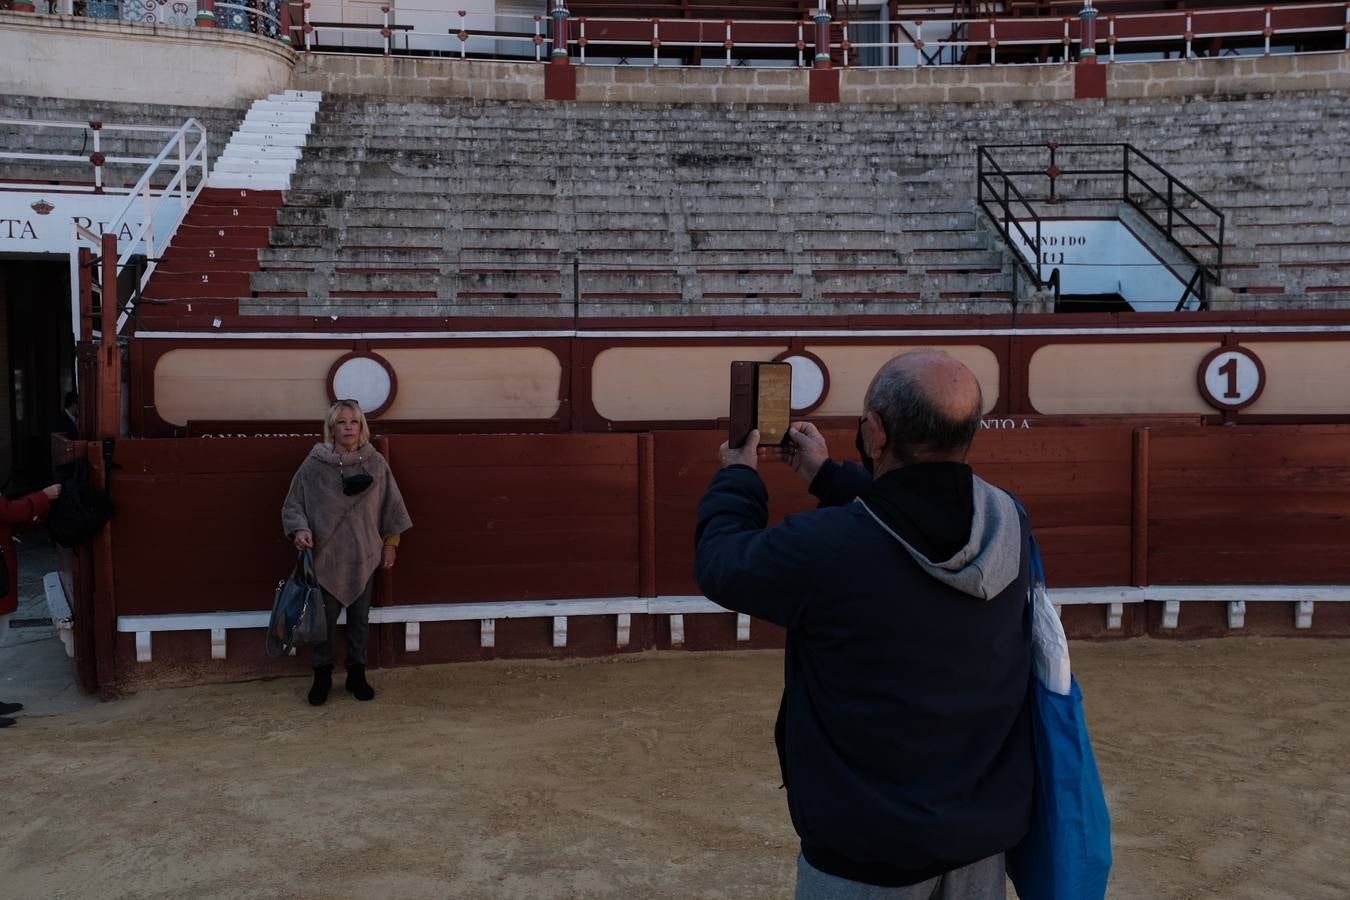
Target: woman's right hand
{"points": [[303, 540], [52, 491]]}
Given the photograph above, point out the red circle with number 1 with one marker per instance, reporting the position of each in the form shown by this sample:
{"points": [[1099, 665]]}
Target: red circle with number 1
{"points": [[1231, 378]]}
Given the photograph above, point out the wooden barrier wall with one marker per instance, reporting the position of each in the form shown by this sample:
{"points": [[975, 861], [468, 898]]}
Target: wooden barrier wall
{"points": [[555, 517]]}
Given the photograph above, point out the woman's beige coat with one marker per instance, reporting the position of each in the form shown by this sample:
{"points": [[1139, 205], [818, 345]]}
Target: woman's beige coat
{"points": [[348, 532]]}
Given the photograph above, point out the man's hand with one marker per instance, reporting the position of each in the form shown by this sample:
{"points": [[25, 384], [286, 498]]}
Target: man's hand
{"points": [[52, 491], [389, 554], [805, 451], [303, 540], [745, 455]]}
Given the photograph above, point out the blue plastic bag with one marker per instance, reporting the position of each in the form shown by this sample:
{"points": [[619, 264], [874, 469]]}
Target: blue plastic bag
{"points": [[1067, 853]]}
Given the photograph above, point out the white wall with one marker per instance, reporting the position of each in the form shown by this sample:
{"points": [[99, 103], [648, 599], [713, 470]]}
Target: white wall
{"points": [[1102, 256], [24, 230], [436, 23], [85, 59]]}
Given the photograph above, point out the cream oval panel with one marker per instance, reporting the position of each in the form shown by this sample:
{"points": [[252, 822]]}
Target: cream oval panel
{"points": [[474, 383], [205, 385], [286, 384], [852, 368], [1105, 379], [636, 384], [1306, 378]]}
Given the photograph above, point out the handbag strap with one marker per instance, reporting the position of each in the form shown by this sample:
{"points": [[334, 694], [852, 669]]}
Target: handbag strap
{"points": [[304, 566], [1037, 566]]}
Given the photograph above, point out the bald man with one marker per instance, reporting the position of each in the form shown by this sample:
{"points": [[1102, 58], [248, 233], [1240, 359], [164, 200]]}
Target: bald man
{"points": [[904, 733]]}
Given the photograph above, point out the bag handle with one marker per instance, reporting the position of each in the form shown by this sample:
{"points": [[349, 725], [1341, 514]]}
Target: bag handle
{"points": [[304, 567]]}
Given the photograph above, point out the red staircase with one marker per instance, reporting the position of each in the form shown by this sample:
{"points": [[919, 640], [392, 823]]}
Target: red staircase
{"points": [[207, 266]]}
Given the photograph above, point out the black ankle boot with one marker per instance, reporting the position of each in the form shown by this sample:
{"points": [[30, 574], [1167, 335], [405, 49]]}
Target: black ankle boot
{"points": [[323, 683], [357, 684]]}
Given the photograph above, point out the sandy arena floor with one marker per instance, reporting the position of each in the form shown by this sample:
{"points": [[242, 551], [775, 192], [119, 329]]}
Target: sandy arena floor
{"points": [[649, 776]]}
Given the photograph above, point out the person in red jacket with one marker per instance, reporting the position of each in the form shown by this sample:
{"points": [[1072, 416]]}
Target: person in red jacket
{"points": [[32, 508]]}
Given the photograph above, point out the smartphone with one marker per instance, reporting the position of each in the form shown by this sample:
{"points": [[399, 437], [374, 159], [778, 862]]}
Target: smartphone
{"points": [[761, 397]]}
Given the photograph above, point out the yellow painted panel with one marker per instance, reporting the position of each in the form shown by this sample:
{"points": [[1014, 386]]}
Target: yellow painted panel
{"points": [[204, 384], [1303, 378], [474, 382], [1115, 379], [630, 384], [852, 368]]}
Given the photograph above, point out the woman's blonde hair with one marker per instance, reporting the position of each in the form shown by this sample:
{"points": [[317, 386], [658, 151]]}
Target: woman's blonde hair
{"points": [[362, 435]]}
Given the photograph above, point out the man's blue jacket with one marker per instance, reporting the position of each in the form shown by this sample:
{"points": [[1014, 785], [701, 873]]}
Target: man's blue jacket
{"points": [[904, 736]]}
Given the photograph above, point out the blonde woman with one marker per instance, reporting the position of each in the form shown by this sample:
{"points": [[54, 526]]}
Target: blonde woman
{"points": [[345, 506]]}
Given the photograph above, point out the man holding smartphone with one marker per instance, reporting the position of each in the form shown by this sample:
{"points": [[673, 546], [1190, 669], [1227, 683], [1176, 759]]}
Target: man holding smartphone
{"points": [[904, 733]]}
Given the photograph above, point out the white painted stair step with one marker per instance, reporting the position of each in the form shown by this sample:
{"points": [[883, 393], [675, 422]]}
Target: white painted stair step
{"points": [[280, 115], [250, 182], [256, 166], [254, 151], [276, 127], [284, 103], [267, 139]]}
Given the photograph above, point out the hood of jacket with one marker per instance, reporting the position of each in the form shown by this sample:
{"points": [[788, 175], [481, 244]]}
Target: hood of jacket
{"points": [[960, 529], [326, 454]]}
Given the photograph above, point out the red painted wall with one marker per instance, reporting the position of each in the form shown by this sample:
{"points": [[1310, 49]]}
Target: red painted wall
{"points": [[522, 517]]}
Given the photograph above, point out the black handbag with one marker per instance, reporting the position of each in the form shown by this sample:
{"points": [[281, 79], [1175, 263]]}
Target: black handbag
{"points": [[80, 512], [298, 615]]}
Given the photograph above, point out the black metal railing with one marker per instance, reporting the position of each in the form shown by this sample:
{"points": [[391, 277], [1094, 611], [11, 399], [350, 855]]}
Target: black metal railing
{"points": [[996, 191], [1106, 172]]}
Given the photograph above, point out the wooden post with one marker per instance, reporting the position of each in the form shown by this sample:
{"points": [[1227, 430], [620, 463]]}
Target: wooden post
{"points": [[646, 450], [81, 328], [1139, 511], [385, 648], [109, 420], [105, 600]]}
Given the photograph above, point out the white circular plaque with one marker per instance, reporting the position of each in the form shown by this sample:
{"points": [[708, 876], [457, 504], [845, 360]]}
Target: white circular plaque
{"points": [[808, 381], [365, 379], [1231, 378]]}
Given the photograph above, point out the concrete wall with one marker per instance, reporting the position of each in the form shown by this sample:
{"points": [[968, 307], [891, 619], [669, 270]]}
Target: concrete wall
{"points": [[963, 84], [62, 56]]}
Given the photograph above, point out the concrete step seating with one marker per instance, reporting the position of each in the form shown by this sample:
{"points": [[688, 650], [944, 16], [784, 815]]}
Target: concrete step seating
{"points": [[752, 210], [114, 144]]}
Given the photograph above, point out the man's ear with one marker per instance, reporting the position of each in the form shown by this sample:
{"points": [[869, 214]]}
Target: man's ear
{"points": [[877, 445]]}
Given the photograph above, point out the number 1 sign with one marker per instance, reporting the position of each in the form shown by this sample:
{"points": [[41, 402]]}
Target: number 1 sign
{"points": [[1231, 378]]}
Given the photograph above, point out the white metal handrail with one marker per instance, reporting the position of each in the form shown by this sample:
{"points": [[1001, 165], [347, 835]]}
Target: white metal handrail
{"points": [[177, 196], [95, 158]]}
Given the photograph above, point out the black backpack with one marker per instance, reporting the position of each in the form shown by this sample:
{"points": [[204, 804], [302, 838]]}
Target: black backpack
{"points": [[82, 509]]}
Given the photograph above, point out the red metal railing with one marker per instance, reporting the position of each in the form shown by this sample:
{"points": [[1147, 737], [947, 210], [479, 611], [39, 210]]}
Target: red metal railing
{"points": [[678, 41]]}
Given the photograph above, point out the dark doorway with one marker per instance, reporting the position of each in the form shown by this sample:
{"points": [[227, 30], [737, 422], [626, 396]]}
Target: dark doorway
{"points": [[1094, 303], [38, 368]]}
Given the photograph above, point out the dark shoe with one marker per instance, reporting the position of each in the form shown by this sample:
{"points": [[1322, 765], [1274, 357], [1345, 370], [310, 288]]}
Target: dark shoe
{"points": [[5, 723], [7, 709], [357, 684], [323, 683]]}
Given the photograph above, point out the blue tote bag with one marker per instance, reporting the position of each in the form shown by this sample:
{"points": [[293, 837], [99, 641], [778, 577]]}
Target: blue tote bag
{"points": [[1067, 853]]}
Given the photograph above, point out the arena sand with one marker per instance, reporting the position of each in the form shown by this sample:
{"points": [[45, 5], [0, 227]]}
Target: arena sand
{"points": [[640, 776]]}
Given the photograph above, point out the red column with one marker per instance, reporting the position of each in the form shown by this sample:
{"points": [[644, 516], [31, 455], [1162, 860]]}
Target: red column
{"points": [[823, 83], [560, 78], [206, 13]]}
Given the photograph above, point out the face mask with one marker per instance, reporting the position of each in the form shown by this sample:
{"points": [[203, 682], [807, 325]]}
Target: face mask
{"points": [[355, 484], [867, 462]]}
